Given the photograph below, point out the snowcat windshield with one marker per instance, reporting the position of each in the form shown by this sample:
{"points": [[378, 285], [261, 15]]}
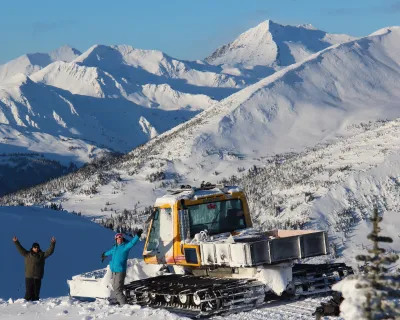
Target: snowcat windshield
{"points": [[154, 237], [216, 217]]}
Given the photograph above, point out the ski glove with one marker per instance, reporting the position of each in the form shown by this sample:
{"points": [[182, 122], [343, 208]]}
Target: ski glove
{"points": [[103, 256], [139, 233]]}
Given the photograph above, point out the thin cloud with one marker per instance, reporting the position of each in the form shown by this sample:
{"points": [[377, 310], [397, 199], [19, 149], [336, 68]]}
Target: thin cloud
{"points": [[43, 27], [388, 7], [260, 13], [341, 11], [392, 8]]}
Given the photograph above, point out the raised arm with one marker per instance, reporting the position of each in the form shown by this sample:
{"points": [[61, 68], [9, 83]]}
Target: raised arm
{"points": [[20, 248], [50, 250], [131, 243]]}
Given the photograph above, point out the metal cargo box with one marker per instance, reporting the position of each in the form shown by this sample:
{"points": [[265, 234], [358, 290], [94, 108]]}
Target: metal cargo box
{"points": [[287, 245]]}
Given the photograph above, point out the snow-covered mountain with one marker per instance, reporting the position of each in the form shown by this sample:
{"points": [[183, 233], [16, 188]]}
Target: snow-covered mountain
{"points": [[123, 71], [116, 97], [108, 122], [106, 98], [274, 45], [144, 92], [318, 101], [300, 106], [32, 62]]}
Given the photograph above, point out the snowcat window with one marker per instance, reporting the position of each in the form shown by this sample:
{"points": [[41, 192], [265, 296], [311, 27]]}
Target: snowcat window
{"points": [[154, 236], [216, 217]]}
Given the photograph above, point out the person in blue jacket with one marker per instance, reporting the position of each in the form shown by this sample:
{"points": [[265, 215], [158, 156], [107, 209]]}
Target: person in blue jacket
{"points": [[118, 263]]}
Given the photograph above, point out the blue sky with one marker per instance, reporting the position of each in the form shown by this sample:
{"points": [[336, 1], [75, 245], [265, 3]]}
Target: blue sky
{"points": [[189, 29]]}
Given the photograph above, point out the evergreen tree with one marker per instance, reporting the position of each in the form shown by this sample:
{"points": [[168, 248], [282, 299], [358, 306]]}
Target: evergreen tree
{"points": [[381, 288]]}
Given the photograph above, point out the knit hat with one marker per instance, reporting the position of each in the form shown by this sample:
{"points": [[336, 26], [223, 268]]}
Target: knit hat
{"points": [[35, 244], [118, 235]]}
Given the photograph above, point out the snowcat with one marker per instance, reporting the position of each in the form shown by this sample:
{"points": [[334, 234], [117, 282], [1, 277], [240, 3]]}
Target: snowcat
{"points": [[217, 262]]}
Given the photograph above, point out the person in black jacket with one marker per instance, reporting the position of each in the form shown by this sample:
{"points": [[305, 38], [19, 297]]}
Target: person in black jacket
{"points": [[34, 267]]}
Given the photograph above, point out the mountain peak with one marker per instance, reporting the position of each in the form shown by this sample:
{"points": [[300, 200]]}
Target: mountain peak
{"points": [[274, 45], [262, 26], [261, 30], [308, 26], [386, 30], [32, 62], [64, 53]]}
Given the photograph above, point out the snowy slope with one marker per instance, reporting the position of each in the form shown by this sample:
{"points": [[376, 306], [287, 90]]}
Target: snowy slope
{"points": [[32, 62], [80, 243], [65, 308], [302, 104], [109, 122], [275, 45], [54, 147]]}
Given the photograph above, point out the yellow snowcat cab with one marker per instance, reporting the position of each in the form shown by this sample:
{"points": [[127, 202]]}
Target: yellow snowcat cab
{"points": [[179, 216]]}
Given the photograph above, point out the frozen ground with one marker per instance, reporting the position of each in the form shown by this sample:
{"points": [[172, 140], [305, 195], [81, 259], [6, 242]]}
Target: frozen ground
{"points": [[66, 308]]}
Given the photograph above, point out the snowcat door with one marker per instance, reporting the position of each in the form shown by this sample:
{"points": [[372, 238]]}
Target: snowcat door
{"points": [[159, 248]]}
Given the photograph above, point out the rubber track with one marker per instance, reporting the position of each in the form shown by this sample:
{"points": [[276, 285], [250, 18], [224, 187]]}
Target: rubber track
{"points": [[227, 295], [317, 279], [212, 295]]}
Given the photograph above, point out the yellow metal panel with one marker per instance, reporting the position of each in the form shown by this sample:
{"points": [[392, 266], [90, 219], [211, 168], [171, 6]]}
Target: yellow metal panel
{"points": [[150, 260], [247, 217], [178, 254]]}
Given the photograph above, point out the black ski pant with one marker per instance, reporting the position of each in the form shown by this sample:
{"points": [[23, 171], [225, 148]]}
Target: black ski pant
{"points": [[32, 289]]}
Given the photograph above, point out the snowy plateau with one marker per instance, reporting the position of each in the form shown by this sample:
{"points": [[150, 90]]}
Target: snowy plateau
{"points": [[307, 122]]}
